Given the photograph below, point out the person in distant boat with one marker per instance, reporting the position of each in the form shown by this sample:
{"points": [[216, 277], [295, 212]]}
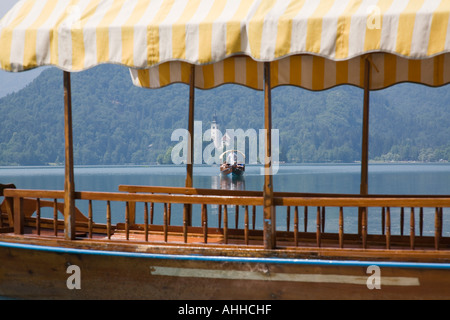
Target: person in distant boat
{"points": [[232, 158]]}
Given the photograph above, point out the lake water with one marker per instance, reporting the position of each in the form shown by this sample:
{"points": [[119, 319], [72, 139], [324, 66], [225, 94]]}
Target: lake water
{"points": [[321, 178]]}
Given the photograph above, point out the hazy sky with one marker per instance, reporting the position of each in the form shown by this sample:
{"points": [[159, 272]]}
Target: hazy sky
{"points": [[5, 5], [10, 82]]}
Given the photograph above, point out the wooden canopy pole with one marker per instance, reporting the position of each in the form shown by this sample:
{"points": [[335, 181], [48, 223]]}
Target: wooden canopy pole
{"points": [[190, 150], [364, 187], [190, 155], [269, 208], [69, 180]]}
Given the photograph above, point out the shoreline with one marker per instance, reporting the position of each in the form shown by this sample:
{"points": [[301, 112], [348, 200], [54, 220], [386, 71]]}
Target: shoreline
{"points": [[445, 162]]}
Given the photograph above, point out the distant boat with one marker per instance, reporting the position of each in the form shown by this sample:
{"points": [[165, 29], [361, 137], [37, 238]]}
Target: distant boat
{"points": [[230, 165]]}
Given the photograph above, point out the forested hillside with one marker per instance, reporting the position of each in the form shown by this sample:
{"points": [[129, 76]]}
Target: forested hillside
{"points": [[117, 123]]}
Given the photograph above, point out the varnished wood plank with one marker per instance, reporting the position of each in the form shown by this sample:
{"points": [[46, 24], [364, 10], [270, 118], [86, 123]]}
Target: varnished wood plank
{"points": [[318, 225], [421, 221], [205, 223], [38, 216], [165, 221], [246, 227], [18, 216], [341, 227], [90, 217], [305, 219], [364, 227], [388, 228], [108, 219], [288, 218], [269, 224], [146, 220], [296, 226], [402, 219], [69, 178], [190, 148], [380, 201], [437, 229], [225, 223], [236, 216], [412, 229], [365, 133], [55, 217], [127, 219]]}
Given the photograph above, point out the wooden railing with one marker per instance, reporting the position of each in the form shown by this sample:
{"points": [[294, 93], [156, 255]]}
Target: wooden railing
{"points": [[146, 203]]}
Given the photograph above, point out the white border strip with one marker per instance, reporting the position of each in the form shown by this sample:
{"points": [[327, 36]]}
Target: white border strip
{"points": [[289, 277]]}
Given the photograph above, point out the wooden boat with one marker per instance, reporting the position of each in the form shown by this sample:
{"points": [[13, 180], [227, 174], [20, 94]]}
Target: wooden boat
{"points": [[232, 167], [228, 260], [89, 248]]}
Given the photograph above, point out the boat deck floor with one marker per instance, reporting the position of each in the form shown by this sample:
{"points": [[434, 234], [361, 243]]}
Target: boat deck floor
{"points": [[308, 241]]}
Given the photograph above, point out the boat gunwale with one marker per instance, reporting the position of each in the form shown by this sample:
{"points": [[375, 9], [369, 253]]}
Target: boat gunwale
{"points": [[235, 259]]}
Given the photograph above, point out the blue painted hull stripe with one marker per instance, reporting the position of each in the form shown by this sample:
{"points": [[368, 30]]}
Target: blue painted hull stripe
{"points": [[317, 262]]}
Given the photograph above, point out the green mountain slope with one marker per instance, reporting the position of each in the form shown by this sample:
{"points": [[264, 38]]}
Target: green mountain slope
{"points": [[117, 123]]}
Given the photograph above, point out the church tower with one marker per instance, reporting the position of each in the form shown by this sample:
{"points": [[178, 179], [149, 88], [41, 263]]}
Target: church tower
{"points": [[215, 135]]}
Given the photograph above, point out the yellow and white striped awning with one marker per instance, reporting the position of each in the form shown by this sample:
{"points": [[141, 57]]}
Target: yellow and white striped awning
{"points": [[315, 44]]}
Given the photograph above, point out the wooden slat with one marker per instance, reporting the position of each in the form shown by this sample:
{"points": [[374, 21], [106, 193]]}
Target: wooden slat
{"points": [[305, 219], [245, 193], [341, 227], [318, 224], [421, 221], [152, 212], [323, 219], [296, 226], [127, 220], [159, 198], [288, 218], [108, 219], [225, 224], [388, 228], [38, 216], [311, 200], [254, 217], [55, 217], [219, 219], [402, 220], [437, 229], [146, 221], [9, 205], [412, 229], [25, 193], [19, 218], [90, 217], [205, 223], [367, 201], [364, 227], [169, 213], [165, 221], [246, 227], [185, 223]]}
